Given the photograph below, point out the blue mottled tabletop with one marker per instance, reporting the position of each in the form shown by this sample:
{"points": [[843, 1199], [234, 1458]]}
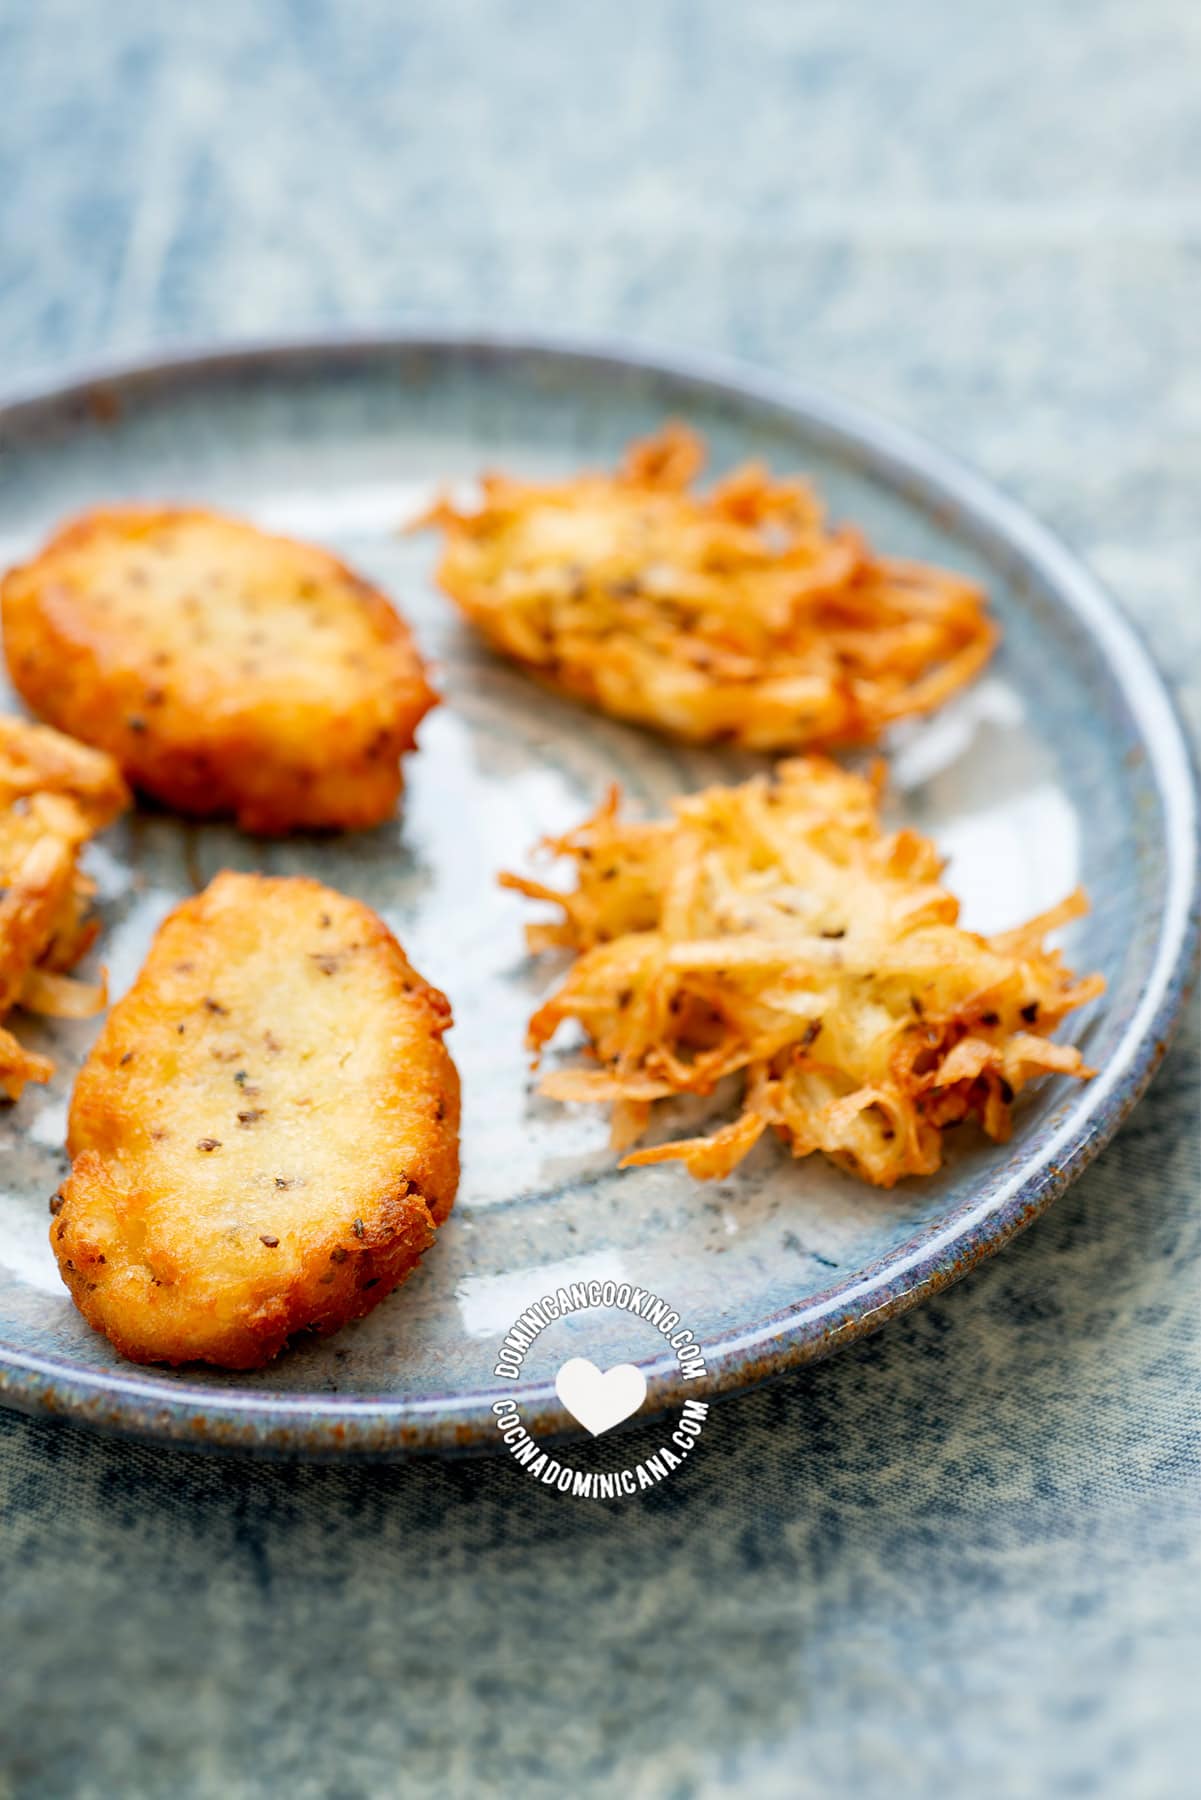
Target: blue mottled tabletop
{"points": [[964, 1557]]}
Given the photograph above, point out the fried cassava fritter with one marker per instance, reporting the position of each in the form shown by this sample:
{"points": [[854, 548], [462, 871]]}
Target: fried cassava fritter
{"points": [[265, 1136], [734, 616], [228, 672], [54, 794], [775, 931]]}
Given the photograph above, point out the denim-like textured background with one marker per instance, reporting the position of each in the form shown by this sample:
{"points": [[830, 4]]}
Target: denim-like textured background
{"points": [[964, 1558]]}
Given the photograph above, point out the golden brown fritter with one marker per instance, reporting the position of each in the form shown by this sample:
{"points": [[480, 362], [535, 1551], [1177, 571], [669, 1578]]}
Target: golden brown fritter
{"points": [[265, 1136], [776, 931], [53, 795], [737, 616], [228, 672], [40, 838]]}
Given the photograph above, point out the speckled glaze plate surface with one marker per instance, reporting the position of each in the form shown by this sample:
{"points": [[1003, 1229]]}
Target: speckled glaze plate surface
{"points": [[1065, 764]]}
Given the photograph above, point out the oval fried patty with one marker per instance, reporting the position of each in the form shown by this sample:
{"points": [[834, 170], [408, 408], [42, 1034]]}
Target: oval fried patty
{"points": [[265, 1135], [228, 672]]}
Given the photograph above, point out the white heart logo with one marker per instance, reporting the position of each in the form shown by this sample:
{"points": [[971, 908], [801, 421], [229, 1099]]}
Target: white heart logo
{"points": [[599, 1401]]}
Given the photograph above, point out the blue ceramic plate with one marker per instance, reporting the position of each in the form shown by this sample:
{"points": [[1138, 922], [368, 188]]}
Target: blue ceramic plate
{"points": [[1065, 764]]}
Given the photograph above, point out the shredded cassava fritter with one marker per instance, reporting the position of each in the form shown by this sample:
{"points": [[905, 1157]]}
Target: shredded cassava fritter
{"points": [[776, 930], [54, 795], [737, 616]]}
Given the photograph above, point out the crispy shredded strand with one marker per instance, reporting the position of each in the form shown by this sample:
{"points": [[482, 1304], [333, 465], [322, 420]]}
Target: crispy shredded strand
{"points": [[774, 931], [737, 615], [36, 760], [63, 996]]}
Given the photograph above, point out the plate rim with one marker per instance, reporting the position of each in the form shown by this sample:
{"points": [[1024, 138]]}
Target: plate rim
{"points": [[316, 1426]]}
